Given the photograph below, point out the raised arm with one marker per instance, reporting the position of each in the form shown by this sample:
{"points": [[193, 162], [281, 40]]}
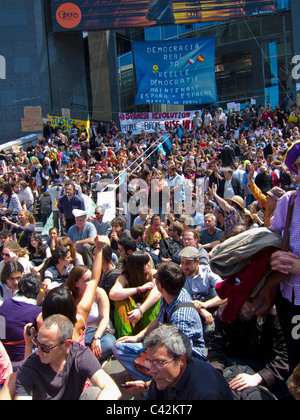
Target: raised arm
{"points": [[85, 304]]}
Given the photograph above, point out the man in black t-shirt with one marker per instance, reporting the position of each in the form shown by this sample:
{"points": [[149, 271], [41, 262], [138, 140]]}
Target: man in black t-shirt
{"points": [[59, 368]]}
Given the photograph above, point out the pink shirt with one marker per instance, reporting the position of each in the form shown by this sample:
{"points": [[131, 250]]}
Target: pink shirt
{"points": [[291, 286], [5, 365]]}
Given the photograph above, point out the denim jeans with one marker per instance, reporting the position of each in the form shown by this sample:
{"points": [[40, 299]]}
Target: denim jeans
{"points": [[107, 342], [126, 353]]}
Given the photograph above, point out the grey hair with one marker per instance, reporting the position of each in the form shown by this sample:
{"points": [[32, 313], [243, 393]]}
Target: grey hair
{"points": [[210, 215], [64, 326], [100, 209], [175, 341]]}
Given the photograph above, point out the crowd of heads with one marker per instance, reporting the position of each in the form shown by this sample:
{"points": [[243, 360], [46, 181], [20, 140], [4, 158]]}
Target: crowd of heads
{"points": [[222, 147]]}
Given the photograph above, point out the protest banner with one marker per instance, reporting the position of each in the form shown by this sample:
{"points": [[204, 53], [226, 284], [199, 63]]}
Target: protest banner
{"points": [[151, 121]]}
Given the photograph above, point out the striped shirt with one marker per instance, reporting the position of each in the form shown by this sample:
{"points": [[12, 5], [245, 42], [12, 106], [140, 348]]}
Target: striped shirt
{"points": [[186, 319], [291, 287]]}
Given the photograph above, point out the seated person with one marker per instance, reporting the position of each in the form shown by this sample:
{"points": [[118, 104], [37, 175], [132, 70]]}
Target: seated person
{"points": [[192, 238], [5, 365], [118, 226], [10, 277], [38, 251], [256, 342], [137, 232], [177, 375], [200, 283], [210, 235], [173, 243], [83, 234], [99, 335], [135, 305], [13, 252], [51, 372], [17, 312], [23, 228], [5, 236], [176, 308], [155, 232], [56, 269]]}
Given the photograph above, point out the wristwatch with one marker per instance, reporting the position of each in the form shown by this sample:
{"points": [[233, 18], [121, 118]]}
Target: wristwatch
{"points": [[96, 338]]}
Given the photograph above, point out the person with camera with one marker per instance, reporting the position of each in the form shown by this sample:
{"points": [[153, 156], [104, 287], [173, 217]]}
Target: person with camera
{"points": [[17, 312], [23, 227]]}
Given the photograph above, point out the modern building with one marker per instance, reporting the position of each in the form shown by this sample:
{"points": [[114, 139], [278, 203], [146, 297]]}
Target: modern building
{"points": [[92, 74], [253, 57], [42, 68]]}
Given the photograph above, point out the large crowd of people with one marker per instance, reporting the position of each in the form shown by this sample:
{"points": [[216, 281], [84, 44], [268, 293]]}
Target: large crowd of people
{"points": [[139, 287]]}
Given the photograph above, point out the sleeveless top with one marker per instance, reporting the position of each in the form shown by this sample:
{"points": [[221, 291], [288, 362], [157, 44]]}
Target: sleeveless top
{"points": [[150, 237]]}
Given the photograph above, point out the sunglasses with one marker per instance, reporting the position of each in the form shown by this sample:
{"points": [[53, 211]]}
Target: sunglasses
{"points": [[5, 255], [45, 349]]}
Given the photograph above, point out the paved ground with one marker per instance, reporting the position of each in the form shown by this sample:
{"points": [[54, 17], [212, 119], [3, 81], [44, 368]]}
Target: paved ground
{"points": [[119, 375]]}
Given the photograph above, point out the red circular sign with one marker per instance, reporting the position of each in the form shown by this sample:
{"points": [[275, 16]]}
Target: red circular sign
{"points": [[68, 15]]}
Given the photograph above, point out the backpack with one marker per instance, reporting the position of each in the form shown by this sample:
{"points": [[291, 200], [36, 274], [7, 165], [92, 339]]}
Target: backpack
{"points": [[236, 253], [254, 393]]}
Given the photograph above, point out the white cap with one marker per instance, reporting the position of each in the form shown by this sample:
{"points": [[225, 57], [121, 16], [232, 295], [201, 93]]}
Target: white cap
{"points": [[78, 213]]}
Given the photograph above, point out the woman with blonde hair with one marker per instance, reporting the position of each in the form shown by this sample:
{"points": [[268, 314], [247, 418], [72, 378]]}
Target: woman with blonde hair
{"points": [[159, 198], [22, 229], [13, 252]]}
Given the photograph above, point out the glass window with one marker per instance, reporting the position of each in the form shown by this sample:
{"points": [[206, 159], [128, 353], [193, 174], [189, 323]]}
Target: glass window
{"points": [[227, 33], [271, 25], [249, 28]]}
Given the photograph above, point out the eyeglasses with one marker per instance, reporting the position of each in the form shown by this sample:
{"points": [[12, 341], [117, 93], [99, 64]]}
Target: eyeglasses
{"points": [[45, 349], [158, 364], [5, 255]]}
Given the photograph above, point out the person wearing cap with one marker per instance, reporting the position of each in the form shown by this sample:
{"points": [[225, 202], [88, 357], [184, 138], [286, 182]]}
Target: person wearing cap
{"points": [[268, 200], [200, 283], [83, 234], [288, 298], [68, 202]]}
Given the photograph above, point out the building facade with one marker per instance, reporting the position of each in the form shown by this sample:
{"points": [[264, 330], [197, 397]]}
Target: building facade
{"points": [[41, 68], [92, 75]]}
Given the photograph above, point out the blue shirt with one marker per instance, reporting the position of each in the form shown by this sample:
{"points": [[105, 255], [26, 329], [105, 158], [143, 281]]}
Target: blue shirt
{"points": [[88, 231], [66, 206], [186, 319]]}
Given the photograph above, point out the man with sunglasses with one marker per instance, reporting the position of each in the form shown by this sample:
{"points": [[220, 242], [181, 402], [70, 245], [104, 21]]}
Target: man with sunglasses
{"points": [[59, 368], [103, 228]]}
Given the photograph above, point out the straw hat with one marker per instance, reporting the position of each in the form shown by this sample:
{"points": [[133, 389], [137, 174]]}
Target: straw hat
{"points": [[239, 201]]}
